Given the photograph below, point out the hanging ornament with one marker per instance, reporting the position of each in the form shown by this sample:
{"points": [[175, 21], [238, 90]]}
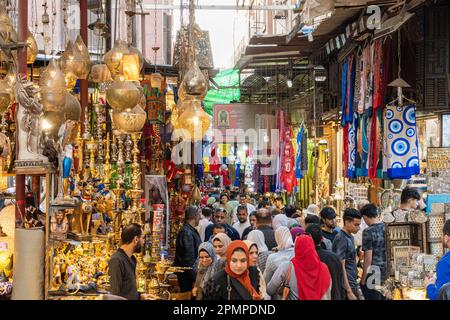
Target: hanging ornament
{"points": [[136, 51], [73, 61], [51, 121], [123, 95], [130, 121], [6, 95], [113, 58], [32, 48], [53, 87], [131, 66], [156, 81], [84, 52], [194, 120], [194, 82], [72, 108], [100, 73], [71, 81], [6, 27]]}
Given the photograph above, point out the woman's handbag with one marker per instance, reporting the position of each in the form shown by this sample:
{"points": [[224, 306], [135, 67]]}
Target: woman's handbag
{"points": [[286, 288]]}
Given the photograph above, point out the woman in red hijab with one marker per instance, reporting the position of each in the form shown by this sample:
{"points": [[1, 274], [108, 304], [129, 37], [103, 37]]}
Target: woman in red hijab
{"points": [[238, 281], [305, 276]]}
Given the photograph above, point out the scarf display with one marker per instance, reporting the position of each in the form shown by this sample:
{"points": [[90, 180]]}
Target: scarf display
{"points": [[313, 276], [301, 160], [243, 278], [402, 148]]}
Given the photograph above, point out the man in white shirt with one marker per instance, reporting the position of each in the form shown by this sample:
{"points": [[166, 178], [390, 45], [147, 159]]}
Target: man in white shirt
{"points": [[204, 222], [243, 223], [245, 201]]}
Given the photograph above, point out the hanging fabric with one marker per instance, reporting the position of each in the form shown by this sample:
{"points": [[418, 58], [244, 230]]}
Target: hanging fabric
{"points": [[402, 150], [287, 176]]}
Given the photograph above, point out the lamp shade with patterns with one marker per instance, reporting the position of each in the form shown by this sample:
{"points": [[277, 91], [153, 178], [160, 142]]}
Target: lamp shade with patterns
{"points": [[53, 87], [123, 95]]}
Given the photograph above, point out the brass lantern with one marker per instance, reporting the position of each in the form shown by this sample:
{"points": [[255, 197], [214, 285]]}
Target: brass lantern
{"points": [[84, 52], [71, 80], [113, 58], [136, 51], [51, 121], [73, 61], [32, 48], [156, 80], [194, 82], [131, 66], [130, 121], [6, 95], [123, 95], [194, 119], [53, 87], [6, 28], [100, 73], [72, 108]]}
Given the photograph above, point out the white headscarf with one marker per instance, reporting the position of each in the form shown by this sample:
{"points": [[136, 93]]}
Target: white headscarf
{"points": [[283, 238], [258, 237], [280, 220]]}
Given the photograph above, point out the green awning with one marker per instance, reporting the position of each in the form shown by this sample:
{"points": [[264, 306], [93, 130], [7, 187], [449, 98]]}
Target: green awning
{"points": [[229, 81]]}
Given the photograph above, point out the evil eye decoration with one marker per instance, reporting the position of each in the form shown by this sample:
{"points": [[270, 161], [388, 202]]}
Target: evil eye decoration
{"points": [[410, 132], [389, 114], [413, 162], [409, 116], [400, 147], [395, 126]]}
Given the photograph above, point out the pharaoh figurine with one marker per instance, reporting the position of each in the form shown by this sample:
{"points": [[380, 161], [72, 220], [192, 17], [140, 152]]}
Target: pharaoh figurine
{"points": [[87, 205], [59, 225], [28, 115]]}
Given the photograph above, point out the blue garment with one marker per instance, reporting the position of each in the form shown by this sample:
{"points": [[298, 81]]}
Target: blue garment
{"points": [[298, 158], [67, 164], [231, 232], [442, 277], [238, 173], [344, 91]]}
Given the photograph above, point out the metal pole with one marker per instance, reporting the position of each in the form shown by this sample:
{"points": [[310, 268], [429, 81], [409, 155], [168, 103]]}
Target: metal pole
{"points": [[84, 36], [22, 69], [316, 149]]}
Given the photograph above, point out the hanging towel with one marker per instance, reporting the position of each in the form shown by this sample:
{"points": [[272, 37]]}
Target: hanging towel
{"points": [[401, 142]]}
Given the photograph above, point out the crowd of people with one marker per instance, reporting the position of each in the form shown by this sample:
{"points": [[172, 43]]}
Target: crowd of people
{"points": [[243, 248], [239, 248]]}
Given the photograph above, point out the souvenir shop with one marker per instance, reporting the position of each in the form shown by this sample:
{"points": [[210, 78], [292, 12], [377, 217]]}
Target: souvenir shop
{"points": [[393, 98], [92, 152]]}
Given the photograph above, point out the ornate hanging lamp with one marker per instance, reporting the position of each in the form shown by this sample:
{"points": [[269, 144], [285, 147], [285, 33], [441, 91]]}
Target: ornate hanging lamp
{"points": [[123, 95], [72, 108], [72, 61], [100, 73], [131, 120], [113, 58], [53, 87], [32, 48], [84, 52]]}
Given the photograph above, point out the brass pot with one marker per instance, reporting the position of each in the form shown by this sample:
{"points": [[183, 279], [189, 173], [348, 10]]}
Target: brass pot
{"points": [[130, 121], [53, 87], [72, 108], [123, 95]]}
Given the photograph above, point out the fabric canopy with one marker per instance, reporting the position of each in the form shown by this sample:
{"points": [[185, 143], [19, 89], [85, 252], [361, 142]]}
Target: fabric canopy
{"points": [[228, 82]]}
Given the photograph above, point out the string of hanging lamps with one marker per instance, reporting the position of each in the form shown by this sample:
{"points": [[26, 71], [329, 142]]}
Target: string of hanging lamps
{"points": [[194, 86]]}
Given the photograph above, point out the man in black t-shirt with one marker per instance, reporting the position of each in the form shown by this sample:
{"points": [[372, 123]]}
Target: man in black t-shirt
{"points": [[328, 219], [375, 259]]}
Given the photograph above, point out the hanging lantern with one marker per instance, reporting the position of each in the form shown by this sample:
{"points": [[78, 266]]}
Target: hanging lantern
{"points": [[53, 87], [32, 48], [194, 81], [84, 52], [100, 73], [71, 81], [136, 51], [130, 121], [6, 28], [181, 92], [6, 95], [73, 61], [113, 58], [123, 95], [194, 120], [131, 68], [51, 121], [72, 108], [156, 80]]}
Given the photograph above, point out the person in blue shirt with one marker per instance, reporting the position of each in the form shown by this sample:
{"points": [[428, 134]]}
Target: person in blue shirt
{"points": [[220, 217], [442, 270]]}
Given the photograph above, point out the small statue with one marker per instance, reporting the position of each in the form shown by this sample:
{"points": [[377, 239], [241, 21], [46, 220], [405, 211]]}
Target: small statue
{"points": [[28, 114], [59, 225], [50, 152]]}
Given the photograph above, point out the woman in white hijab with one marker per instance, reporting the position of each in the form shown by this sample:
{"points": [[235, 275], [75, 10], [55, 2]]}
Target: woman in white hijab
{"points": [[257, 237], [280, 220], [285, 247]]}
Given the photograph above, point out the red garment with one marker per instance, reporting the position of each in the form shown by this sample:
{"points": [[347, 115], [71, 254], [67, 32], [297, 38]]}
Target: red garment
{"points": [[313, 276], [377, 75], [345, 156], [243, 278], [225, 176], [288, 165]]}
